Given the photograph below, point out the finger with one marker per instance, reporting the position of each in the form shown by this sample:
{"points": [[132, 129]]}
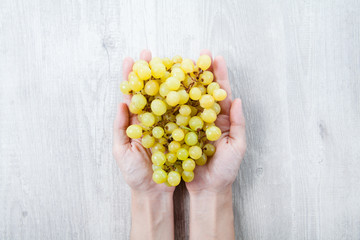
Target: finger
{"points": [[145, 55], [237, 122], [208, 52], [127, 68], [121, 123], [221, 77]]}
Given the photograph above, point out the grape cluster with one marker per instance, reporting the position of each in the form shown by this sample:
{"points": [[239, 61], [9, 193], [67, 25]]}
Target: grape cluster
{"points": [[176, 105]]}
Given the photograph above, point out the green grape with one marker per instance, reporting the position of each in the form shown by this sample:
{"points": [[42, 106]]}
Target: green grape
{"points": [[178, 168], [195, 152], [151, 88], [171, 157], [187, 81], [158, 70], [219, 94], [196, 123], [187, 65], [213, 133], [158, 132], [187, 176], [202, 160], [154, 61], [191, 138], [139, 100], [209, 149], [169, 164], [185, 110], [134, 131], [158, 107], [154, 167], [184, 96], [195, 93], [173, 98], [136, 85], [208, 115], [133, 77], [173, 83], [206, 77], [143, 72], [202, 88], [166, 76], [162, 141], [216, 107], [168, 63], [177, 59], [207, 125], [182, 154], [147, 141], [133, 109], [148, 119], [182, 120], [125, 87], [188, 165], [164, 90], [178, 135], [174, 146], [170, 127], [138, 64], [159, 176], [158, 147], [212, 87], [173, 178], [206, 101], [178, 73], [158, 158], [204, 62]]}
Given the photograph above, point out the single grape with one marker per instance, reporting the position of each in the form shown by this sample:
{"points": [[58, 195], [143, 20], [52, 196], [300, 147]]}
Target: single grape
{"points": [[158, 158], [158, 70], [133, 109], [195, 93], [166, 76], [208, 115], [178, 135], [173, 83], [188, 165], [158, 132], [206, 101], [167, 62], [173, 98], [184, 96], [187, 176], [159, 176], [154, 167], [178, 73], [170, 127], [191, 138], [177, 59], [182, 154], [202, 160], [134, 131], [185, 110], [182, 120], [171, 157], [174, 146], [158, 147], [164, 90], [204, 62], [138, 64], [213, 133], [158, 107], [209, 149], [187, 65], [147, 141], [212, 87], [125, 87], [174, 178], [143, 72], [162, 141], [151, 87], [196, 123], [136, 84], [155, 61], [148, 119], [195, 152], [216, 107], [139, 100], [185, 146], [202, 88], [219, 94], [206, 77]]}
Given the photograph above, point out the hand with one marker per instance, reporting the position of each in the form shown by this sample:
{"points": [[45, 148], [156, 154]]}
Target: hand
{"points": [[133, 159], [222, 168]]}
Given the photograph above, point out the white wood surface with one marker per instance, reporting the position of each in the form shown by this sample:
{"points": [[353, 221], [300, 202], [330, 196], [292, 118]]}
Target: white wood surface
{"points": [[295, 64]]}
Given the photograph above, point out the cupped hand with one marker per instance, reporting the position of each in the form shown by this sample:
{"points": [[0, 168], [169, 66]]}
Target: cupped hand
{"points": [[221, 169], [133, 159]]}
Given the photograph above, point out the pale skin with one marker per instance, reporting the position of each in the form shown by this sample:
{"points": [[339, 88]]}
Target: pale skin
{"points": [[211, 211]]}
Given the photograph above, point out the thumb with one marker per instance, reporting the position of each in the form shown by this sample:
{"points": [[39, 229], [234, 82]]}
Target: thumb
{"points": [[237, 123], [120, 125]]}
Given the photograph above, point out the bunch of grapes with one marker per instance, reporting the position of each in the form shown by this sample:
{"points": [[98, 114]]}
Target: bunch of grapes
{"points": [[176, 104]]}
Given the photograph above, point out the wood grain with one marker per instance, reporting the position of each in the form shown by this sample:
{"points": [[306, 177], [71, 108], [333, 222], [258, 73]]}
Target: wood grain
{"points": [[295, 64]]}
